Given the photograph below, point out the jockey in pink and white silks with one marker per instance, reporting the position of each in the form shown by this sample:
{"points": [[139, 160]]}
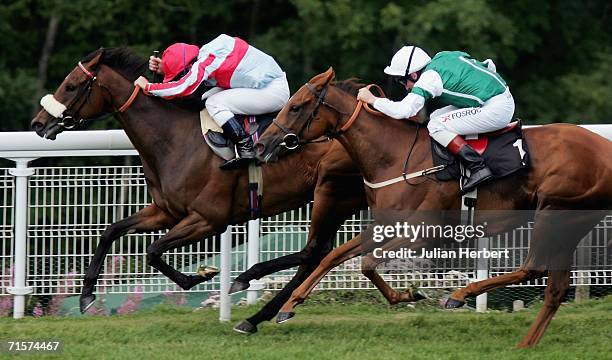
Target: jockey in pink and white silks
{"points": [[246, 81], [474, 96]]}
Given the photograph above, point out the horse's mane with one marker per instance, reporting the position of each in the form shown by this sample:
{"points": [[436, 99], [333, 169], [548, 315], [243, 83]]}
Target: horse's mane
{"points": [[131, 66], [122, 60], [351, 85]]}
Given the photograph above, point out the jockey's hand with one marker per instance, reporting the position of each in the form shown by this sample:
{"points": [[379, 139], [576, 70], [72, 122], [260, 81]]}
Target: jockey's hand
{"points": [[155, 64], [142, 82], [366, 96]]}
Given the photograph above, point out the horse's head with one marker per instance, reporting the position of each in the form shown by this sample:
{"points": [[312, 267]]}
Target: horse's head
{"points": [[82, 95], [75, 99], [308, 115]]}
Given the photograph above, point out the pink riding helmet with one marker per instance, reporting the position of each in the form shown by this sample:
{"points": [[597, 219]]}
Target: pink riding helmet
{"points": [[176, 58]]}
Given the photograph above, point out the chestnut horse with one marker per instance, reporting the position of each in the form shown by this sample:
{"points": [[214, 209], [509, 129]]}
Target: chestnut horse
{"points": [[191, 196], [570, 171]]}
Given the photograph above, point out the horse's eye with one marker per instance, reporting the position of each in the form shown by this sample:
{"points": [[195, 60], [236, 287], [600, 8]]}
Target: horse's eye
{"points": [[70, 87], [294, 108]]}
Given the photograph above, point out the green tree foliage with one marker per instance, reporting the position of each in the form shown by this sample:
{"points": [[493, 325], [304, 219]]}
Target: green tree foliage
{"points": [[556, 55]]}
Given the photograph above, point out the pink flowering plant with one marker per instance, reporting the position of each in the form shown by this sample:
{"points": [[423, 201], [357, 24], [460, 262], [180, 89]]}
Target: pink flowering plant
{"points": [[133, 301], [6, 301]]}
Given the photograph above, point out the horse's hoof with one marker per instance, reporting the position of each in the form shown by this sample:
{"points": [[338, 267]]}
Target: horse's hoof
{"points": [[451, 303], [85, 302], [208, 272], [238, 286], [284, 317], [245, 327], [419, 295]]}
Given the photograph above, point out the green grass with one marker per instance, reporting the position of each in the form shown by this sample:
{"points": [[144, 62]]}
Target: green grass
{"points": [[326, 331]]}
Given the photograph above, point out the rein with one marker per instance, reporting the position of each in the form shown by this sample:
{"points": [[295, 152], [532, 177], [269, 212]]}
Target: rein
{"points": [[357, 110], [130, 100], [93, 79]]}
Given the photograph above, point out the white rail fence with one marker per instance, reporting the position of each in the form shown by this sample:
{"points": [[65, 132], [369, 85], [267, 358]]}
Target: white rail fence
{"points": [[51, 219]]}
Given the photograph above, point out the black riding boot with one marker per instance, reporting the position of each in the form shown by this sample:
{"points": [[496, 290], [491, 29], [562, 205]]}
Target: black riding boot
{"points": [[244, 144], [473, 161]]}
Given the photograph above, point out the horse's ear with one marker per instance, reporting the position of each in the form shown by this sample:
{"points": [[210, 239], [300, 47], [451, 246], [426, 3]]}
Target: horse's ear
{"points": [[93, 63], [322, 80]]}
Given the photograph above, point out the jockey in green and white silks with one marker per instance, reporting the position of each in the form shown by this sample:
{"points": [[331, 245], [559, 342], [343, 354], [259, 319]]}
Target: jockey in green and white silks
{"points": [[474, 97]]}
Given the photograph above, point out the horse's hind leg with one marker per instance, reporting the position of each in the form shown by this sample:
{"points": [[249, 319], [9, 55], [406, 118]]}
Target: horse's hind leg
{"points": [[391, 295], [556, 235], [368, 269], [457, 298], [558, 283], [151, 218], [191, 229]]}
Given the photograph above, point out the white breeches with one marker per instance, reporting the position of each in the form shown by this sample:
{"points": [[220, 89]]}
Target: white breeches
{"points": [[223, 105], [450, 121]]}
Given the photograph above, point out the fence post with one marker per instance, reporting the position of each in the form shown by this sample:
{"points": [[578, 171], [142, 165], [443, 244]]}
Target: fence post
{"points": [[252, 259], [225, 306], [19, 289], [583, 265], [482, 273]]}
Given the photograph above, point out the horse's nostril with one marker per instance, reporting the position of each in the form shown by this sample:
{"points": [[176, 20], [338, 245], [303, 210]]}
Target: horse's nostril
{"points": [[260, 148], [36, 126]]}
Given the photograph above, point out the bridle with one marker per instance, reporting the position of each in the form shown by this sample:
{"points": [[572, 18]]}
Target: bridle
{"points": [[68, 118], [292, 140]]}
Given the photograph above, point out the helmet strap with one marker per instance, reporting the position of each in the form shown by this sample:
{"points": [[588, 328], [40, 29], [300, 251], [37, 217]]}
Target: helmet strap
{"points": [[409, 62]]}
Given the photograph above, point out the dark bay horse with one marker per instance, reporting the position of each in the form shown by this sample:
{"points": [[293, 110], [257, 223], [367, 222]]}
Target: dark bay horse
{"points": [[191, 196], [570, 170]]}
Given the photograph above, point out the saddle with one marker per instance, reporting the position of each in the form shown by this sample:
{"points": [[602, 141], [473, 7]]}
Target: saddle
{"points": [[223, 147], [504, 151]]}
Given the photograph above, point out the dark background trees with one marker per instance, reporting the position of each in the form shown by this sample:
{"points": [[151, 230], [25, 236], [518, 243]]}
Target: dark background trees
{"points": [[556, 55]]}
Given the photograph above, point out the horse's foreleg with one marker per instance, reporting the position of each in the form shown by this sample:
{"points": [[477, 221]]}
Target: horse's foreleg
{"points": [[558, 283], [330, 210], [151, 218], [191, 229], [328, 214], [259, 270], [270, 310], [312, 255], [342, 253]]}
